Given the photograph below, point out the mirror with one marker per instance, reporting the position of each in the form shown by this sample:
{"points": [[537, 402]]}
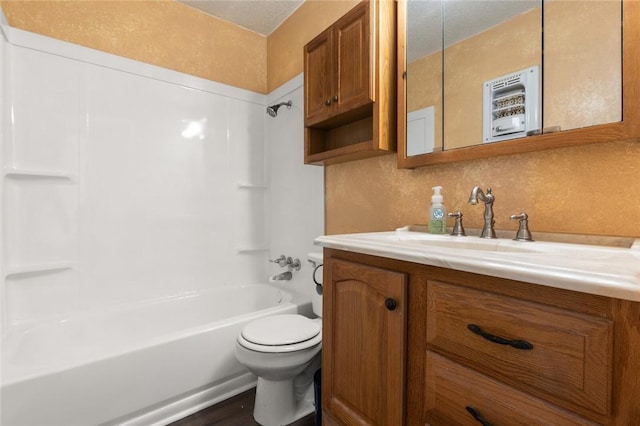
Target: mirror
{"points": [[582, 63], [460, 53], [424, 77], [490, 44]]}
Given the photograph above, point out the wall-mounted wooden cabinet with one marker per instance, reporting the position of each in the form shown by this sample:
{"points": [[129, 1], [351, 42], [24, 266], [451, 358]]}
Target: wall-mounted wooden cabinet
{"points": [[337, 67], [478, 349], [349, 86], [588, 80]]}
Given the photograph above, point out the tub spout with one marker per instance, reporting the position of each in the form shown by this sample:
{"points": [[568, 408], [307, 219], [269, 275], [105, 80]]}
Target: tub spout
{"points": [[283, 276]]}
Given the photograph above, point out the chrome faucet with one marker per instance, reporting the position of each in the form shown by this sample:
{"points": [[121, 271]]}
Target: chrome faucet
{"points": [[488, 199], [283, 276], [291, 264], [523, 233]]}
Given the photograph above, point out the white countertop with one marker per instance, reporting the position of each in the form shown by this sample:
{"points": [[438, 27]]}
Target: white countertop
{"points": [[606, 271]]}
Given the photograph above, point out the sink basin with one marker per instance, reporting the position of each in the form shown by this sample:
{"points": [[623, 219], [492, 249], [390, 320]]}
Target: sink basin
{"points": [[468, 243], [431, 242], [473, 245]]}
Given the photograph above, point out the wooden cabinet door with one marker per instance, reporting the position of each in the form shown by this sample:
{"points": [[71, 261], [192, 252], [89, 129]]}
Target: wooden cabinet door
{"points": [[318, 78], [337, 69], [352, 53], [364, 328]]}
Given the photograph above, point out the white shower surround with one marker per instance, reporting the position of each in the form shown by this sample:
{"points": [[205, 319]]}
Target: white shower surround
{"points": [[126, 183]]}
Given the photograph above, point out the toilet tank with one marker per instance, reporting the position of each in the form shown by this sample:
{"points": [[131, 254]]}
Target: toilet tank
{"points": [[316, 298]]}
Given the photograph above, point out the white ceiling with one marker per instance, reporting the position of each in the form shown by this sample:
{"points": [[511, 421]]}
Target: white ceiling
{"points": [[261, 16], [424, 18], [462, 19]]}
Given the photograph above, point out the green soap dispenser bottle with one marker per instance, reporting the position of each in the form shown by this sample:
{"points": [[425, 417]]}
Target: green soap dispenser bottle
{"points": [[437, 213]]}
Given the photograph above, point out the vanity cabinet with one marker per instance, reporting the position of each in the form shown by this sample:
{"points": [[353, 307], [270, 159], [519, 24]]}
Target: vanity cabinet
{"points": [[365, 314], [481, 349], [349, 86]]}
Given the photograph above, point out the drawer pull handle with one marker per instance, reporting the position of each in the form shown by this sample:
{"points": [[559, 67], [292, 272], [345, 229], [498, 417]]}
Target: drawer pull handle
{"points": [[476, 415], [518, 344]]}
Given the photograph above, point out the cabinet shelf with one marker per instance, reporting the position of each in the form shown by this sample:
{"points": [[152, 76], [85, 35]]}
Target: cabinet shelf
{"points": [[346, 153], [351, 141], [13, 172], [37, 267]]}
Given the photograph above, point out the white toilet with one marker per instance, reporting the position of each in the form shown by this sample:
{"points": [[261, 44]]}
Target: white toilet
{"points": [[284, 352]]}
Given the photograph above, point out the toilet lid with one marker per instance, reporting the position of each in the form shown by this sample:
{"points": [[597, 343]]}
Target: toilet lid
{"points": [[278, 330]]}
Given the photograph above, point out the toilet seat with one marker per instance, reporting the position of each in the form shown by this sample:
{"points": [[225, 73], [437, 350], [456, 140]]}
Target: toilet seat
{"points": [[281, 333]]}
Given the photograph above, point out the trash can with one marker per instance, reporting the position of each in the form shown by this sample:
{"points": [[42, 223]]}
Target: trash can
{"points": [[317, 392]]}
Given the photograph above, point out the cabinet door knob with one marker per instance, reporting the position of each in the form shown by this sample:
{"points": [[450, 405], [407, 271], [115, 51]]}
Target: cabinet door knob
{"points": [[390, 304], [327, 102], [335, 98]]}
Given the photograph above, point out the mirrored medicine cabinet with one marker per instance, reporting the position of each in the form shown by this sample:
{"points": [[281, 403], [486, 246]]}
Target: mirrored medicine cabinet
{"points": [[482, 78]]}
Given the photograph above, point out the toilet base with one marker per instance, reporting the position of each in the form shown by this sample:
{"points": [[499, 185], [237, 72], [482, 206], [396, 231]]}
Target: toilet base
{"points": [[276, 404]]}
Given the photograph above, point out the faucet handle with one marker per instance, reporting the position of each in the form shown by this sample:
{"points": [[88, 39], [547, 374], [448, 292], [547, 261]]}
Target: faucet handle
{"points": [[281, 261], [290, 263], [458, 229], [523, 233], [293, 264]]}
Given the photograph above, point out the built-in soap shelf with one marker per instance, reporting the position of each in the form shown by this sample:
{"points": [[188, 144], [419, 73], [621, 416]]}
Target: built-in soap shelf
{"points": [[14, 172], [252, 249], [247, 246], [255, 186], [37, 267]]}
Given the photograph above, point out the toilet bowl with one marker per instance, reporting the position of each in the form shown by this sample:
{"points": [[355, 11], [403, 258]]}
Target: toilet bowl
{"points": [[284, 352]]}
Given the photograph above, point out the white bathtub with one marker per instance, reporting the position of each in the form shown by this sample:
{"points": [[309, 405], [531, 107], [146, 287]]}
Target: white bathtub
{"points": [[139, 365]]}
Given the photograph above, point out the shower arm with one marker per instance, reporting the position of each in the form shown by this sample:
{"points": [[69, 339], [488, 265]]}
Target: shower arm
{"points": [[273, 109]]}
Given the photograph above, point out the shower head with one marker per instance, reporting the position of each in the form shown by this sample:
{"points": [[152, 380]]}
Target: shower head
{"points": [[273, 109]]}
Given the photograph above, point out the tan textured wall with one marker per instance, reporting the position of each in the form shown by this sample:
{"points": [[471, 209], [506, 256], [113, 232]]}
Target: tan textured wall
{"points": [[159, 32], [584, 190], [285, 44]]}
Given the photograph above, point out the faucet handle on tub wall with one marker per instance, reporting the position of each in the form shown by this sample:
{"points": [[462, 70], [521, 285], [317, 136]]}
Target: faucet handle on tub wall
{"points": [[523, 233], [294, 264], [281, 261], [290, 263]]}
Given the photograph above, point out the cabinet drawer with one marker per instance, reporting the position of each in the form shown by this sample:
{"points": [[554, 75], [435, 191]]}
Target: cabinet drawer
{"points": [[560, 355], [454, 392]]}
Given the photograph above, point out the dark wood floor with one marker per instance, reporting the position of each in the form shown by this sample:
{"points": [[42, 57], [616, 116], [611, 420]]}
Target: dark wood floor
{"points": [[236, 411]]}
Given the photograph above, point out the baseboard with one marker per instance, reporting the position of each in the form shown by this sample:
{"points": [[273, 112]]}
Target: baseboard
{"points": [[183, 407]]}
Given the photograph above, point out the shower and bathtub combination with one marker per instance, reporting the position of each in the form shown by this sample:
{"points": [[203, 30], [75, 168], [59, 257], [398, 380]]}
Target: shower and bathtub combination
{"points": [[139, 209], [139, 364]]}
